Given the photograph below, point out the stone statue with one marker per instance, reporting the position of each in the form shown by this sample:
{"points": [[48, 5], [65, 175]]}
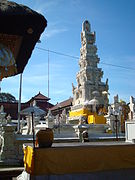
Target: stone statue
{"points": [[110, 110], [82, 120], [63, 116], [2, 115], [22, 123], [50, 119], [49, 115], [1, 109], [73, 88], [114, 114], [106, 82], [36, 120], [132, 108], [8, 119], [29, 124], [116, 99]]}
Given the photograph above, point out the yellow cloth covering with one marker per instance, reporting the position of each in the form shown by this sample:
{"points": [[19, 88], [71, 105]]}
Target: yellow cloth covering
{"points": [[83, 159], [81, 112], [96, 119]]}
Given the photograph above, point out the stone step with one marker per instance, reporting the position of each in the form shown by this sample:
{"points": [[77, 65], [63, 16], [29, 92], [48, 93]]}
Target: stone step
{"points": [[7, 173]]}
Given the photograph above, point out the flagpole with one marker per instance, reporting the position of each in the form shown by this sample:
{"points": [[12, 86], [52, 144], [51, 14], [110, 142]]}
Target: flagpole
{"points": [[48, 73], [19, 103], [33, 132]]}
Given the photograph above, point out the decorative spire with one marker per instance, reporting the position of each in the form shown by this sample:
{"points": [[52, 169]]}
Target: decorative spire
{"points": [[89, 76], [86, 26]]}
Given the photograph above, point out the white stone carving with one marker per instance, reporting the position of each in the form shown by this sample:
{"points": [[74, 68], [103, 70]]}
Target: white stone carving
{"points": [[2, 116], [89, 76], [114, 114], [63, 116], [132, 108], [8, 119], [50, 119]]}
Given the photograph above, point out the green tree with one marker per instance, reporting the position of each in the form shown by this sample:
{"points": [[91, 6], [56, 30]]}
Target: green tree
{"points": [[7, 97]]}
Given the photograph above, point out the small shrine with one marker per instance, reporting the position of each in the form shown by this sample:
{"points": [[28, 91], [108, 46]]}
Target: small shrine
{"points": [[90, 96], [132, 108]]}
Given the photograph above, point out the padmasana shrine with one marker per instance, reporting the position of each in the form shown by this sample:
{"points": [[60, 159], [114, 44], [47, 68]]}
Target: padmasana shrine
{"points": [[90, 96]]}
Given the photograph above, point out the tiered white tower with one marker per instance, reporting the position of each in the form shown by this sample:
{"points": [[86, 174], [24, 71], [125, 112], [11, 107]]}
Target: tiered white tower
{"points": [[89, 76]]}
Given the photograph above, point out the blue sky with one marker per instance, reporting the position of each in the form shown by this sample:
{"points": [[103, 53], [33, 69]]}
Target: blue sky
{"points": [[114, 23]]}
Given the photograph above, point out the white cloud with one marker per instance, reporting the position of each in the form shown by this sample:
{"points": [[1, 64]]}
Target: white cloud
{"points": [[24, 98], [126, 61], [53, 28], [57, 92], [51, 65], [37, 79], [51, 32], [44, 6]]}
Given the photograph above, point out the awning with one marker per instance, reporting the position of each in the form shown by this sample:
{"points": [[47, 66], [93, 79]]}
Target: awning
{"points": [[20, 29]]}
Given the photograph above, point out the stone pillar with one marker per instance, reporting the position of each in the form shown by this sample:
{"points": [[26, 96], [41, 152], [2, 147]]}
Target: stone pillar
{"points": [[29, 124], [50, 120], [8, 154]]}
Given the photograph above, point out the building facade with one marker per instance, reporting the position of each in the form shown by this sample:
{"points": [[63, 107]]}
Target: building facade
{"points": [[39, 100]]}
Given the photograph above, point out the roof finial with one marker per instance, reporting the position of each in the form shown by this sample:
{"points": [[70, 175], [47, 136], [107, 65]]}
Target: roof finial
{"points": [[86, 26]]}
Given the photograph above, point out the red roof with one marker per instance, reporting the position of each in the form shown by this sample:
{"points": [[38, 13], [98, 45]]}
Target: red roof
{"points": [[62, 104], [12, 108], [40, 97]]}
